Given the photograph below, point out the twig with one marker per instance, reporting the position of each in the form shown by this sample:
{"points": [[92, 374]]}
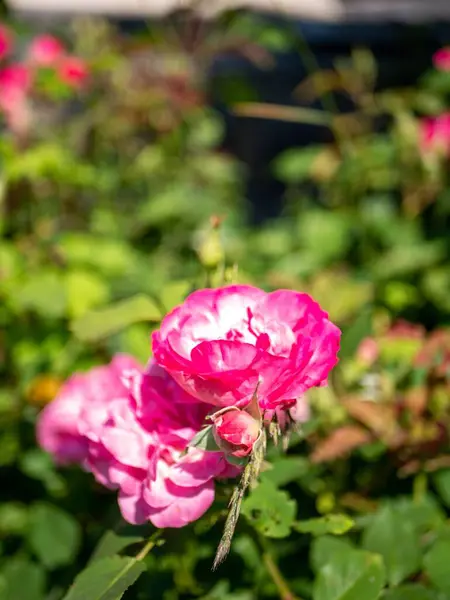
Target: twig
{"points": [[277, 577]]}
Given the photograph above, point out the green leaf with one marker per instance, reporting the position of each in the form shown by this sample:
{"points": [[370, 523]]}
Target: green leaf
{"points": [[54, 535], [204, 440], [424, 514], [112, 257], [286, 469], [39, 465], [406, 260], [335, 524], [441, 480], [100, 324], [355, 333], [410, 591], [85, 291], [398, 542], [238, 461], [13, 518], [174, 293], [354, 575], [436, 565], [270, 511], [294, 166], [113, 542], [43, 293], [21, 579], [106, 579], [326, 234], [325, 548]]}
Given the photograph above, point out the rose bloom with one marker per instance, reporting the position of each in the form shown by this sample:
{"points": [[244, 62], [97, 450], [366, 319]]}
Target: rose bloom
{"points": [[45, 51], [6, 41], [441, 59], [297, 413], [131, 430], [58, 426], [235, 431], [140, 447], [73, 71], [223, 345], [435, 134]]}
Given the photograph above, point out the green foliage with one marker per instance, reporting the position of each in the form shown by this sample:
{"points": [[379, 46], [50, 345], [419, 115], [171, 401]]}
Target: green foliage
{"points": [[106, 579], [107, 208], [54, 536], [270, 511], [397, 541], [353, 575], [100, 324], [335, 524]]}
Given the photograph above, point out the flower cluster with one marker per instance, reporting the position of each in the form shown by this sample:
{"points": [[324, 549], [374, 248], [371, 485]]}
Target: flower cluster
{"points": [[17, 79], [235, 358], [434, 132]]}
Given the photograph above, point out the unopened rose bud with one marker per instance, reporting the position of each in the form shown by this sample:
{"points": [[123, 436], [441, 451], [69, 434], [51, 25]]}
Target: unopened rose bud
{"points": [[235, 431]]}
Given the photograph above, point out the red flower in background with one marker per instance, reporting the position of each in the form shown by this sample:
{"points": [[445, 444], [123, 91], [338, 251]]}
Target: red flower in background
{"points": [[6, 41], [73, 71], [45, 51], [441, 59], [435, 134]]}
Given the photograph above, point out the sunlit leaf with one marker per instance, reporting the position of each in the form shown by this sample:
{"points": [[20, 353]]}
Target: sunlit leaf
{"points": [[99, 324]]}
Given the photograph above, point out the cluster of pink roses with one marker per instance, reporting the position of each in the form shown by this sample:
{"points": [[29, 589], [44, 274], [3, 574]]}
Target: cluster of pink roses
{"points": [[435, 131], [213, 355], [17, 78]]}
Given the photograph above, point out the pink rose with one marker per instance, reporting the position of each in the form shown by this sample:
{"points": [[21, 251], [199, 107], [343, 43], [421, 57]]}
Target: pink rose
{"points": [[46, 51], [297, 412], [139, 446], [6, 41], [15, 83], [222, 345], [435, 134], [132, 430], [441, 59], [235, 431], [73, 71], [58, 429]]}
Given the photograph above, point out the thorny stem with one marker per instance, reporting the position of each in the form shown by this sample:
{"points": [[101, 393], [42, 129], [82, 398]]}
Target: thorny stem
{"points": [[277, 577]]}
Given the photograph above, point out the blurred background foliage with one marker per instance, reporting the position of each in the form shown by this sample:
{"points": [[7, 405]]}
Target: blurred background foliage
{"points": [[114, 204]]}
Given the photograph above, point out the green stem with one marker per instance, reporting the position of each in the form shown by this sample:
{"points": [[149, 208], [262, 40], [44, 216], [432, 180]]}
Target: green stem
{"points": [[149, 546], [420, 486], [280, 582]]}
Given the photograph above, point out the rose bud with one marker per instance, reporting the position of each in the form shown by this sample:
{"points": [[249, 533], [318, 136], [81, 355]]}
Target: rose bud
{"points": [[235, 431]]}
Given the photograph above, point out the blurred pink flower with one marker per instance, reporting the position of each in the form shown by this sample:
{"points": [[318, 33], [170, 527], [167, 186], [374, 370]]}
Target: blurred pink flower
{"points": [[131, 430], [45, 51], [58, 426], [140, 447], [15, 83], [6, 41], [406, 330], [297, 412], [235, 431], [441, 59], [224, 344], [73, 71], [435, 134], [368, 351]]}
